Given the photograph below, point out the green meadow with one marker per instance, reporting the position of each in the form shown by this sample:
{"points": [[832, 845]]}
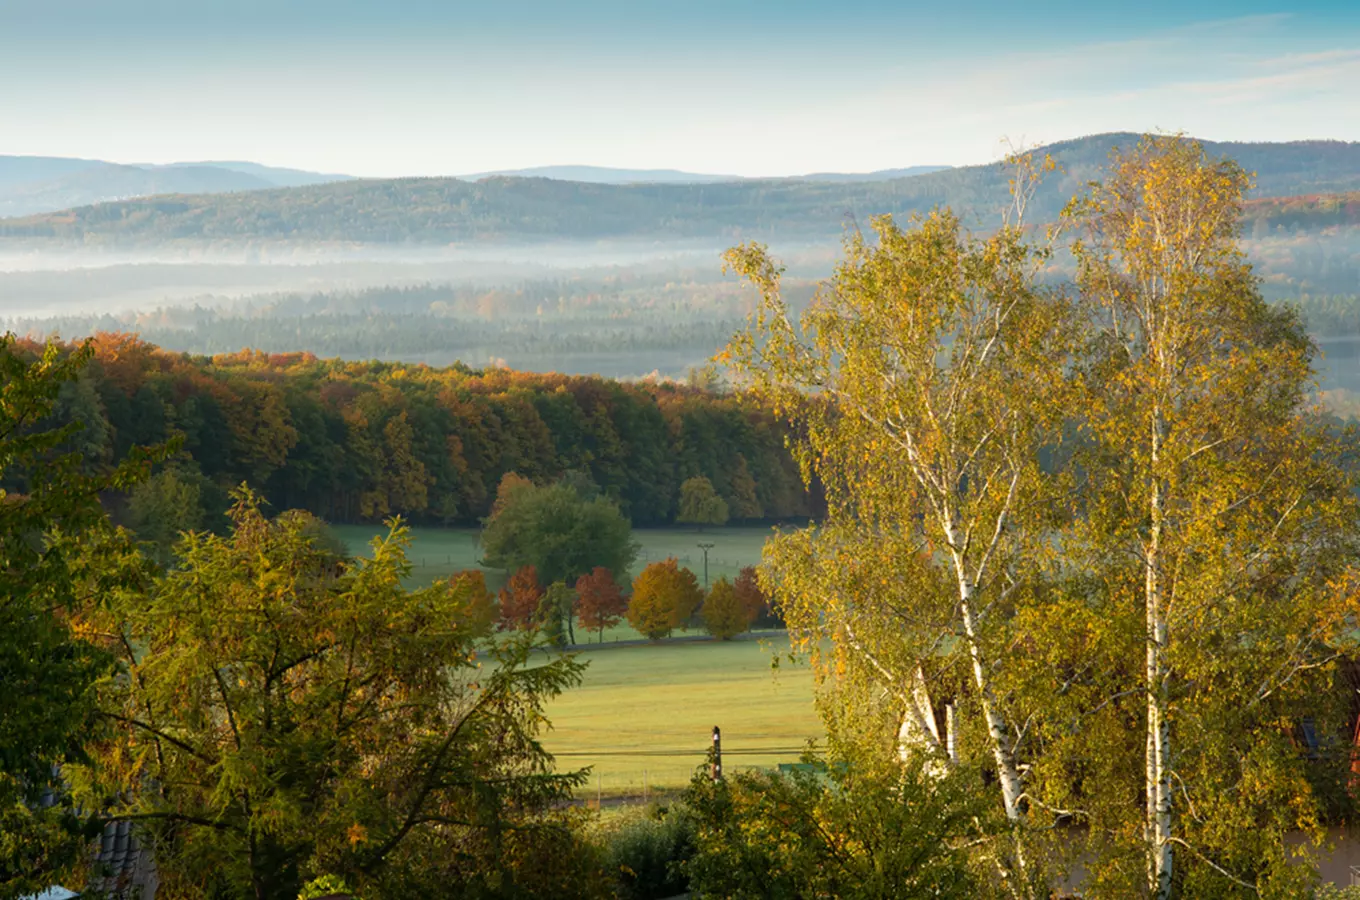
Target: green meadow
{"points": [[645, 714]]}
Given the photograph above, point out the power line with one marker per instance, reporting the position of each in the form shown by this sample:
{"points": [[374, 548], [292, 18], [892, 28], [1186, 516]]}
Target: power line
{"points": [[749, 751]]}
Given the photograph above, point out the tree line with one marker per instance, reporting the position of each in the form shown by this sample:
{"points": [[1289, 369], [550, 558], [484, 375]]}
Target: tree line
{"points": [[359, 442]]}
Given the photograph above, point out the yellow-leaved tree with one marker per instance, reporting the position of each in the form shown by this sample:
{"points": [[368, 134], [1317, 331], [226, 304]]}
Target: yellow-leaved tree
{"points": [[664, 597], [724, 615], [923, 383], [1216, 523]]}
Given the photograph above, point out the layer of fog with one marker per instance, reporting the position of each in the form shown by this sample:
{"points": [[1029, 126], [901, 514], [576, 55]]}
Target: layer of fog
{"points": [[39, 284]]}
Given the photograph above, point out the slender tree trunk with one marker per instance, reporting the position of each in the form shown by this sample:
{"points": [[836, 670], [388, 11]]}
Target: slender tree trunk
{"points": [[918, 728], [1008, 773], [1157, 826]]}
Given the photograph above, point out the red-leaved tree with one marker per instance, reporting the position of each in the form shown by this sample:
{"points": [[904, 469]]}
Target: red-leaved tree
{"points": [[600, 603], [519, 600], [753, 599]]}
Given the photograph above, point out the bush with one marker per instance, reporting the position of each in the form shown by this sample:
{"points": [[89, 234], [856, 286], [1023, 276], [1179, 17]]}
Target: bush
{"points": [[845, 831], [645, 850]]}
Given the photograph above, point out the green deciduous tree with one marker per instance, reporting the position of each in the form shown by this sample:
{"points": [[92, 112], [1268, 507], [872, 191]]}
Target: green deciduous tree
{"points": [[287, 715], [162, 508], [700, 504], [556, 612], [724, 615], [558, 532], [49, 507]]}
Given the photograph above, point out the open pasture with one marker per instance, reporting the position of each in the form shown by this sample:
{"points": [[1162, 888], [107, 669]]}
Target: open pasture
{"points": [[439, 552], [646, 713]]}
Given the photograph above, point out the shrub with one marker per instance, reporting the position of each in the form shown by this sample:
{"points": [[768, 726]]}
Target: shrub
{"points": [[645, 850], [843, 830]]}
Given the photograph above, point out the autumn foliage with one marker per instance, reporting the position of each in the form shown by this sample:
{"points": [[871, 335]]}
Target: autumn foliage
{"points": [[600, 603], [664, 597], [360, 441], [519, 600], [479, 603], [724, 615], [752, 599]]}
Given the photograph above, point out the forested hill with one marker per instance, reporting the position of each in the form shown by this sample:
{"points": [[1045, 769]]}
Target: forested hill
{"points": [[444, 210], [363, 441]]}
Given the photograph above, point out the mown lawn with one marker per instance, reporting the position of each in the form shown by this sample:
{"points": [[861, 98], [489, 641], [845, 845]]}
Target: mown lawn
{"points": [[647, 712]]}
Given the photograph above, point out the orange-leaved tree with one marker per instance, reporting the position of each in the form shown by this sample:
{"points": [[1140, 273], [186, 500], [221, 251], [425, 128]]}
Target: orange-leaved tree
{"points": [[600, 603], [724, 615], [519, 600], [664, 597]]}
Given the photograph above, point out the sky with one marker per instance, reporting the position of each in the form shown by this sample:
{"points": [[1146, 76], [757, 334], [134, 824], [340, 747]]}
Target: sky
{"points": [[743, 87]]}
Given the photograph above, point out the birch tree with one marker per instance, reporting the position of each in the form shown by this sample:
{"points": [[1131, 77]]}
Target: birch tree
{"points": [[923, 382], [1213, 513]]}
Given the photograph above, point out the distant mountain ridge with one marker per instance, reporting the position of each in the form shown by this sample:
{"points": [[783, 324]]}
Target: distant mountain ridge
{"points": [[608, 175], [515, 208], [39, 184], [604, 175]]}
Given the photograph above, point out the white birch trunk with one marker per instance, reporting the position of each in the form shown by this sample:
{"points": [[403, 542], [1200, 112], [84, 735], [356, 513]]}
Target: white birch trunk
{"points": [[1157, 827], [918, 730], [1007, 772]]}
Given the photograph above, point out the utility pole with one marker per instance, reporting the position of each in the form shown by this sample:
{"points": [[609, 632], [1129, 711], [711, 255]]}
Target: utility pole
{"points": [[717, 753], [705, 546]]}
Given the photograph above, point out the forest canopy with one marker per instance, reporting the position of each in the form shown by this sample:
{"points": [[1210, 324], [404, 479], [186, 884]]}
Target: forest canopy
{"points": [[353, 441]]}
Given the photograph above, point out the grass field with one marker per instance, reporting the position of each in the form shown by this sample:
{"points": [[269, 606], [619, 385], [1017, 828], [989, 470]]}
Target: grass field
{"points": [[439, 552], [647, 712]]}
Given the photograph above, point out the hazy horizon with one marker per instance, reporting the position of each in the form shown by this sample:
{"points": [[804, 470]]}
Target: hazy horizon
{"points": [[750, 89]]}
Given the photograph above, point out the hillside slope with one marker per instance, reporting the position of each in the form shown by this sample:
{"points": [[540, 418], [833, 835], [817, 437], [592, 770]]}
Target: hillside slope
{"points": [[39, 184], [444, 210]]}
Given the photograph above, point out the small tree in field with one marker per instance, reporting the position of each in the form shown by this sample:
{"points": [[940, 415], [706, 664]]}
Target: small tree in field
{"points": [[519, 600], [664, 597], [481, 604], [754, 600], [600, 603], [554, 616], [724, 615], [700, 504]]}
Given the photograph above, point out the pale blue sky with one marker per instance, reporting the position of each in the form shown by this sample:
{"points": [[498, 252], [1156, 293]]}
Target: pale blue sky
{"points": [[745, 87]]}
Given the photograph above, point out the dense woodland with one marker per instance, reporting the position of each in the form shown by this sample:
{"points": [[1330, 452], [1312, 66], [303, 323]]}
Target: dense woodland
{"points": [[441, 210], [364, 441]]}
